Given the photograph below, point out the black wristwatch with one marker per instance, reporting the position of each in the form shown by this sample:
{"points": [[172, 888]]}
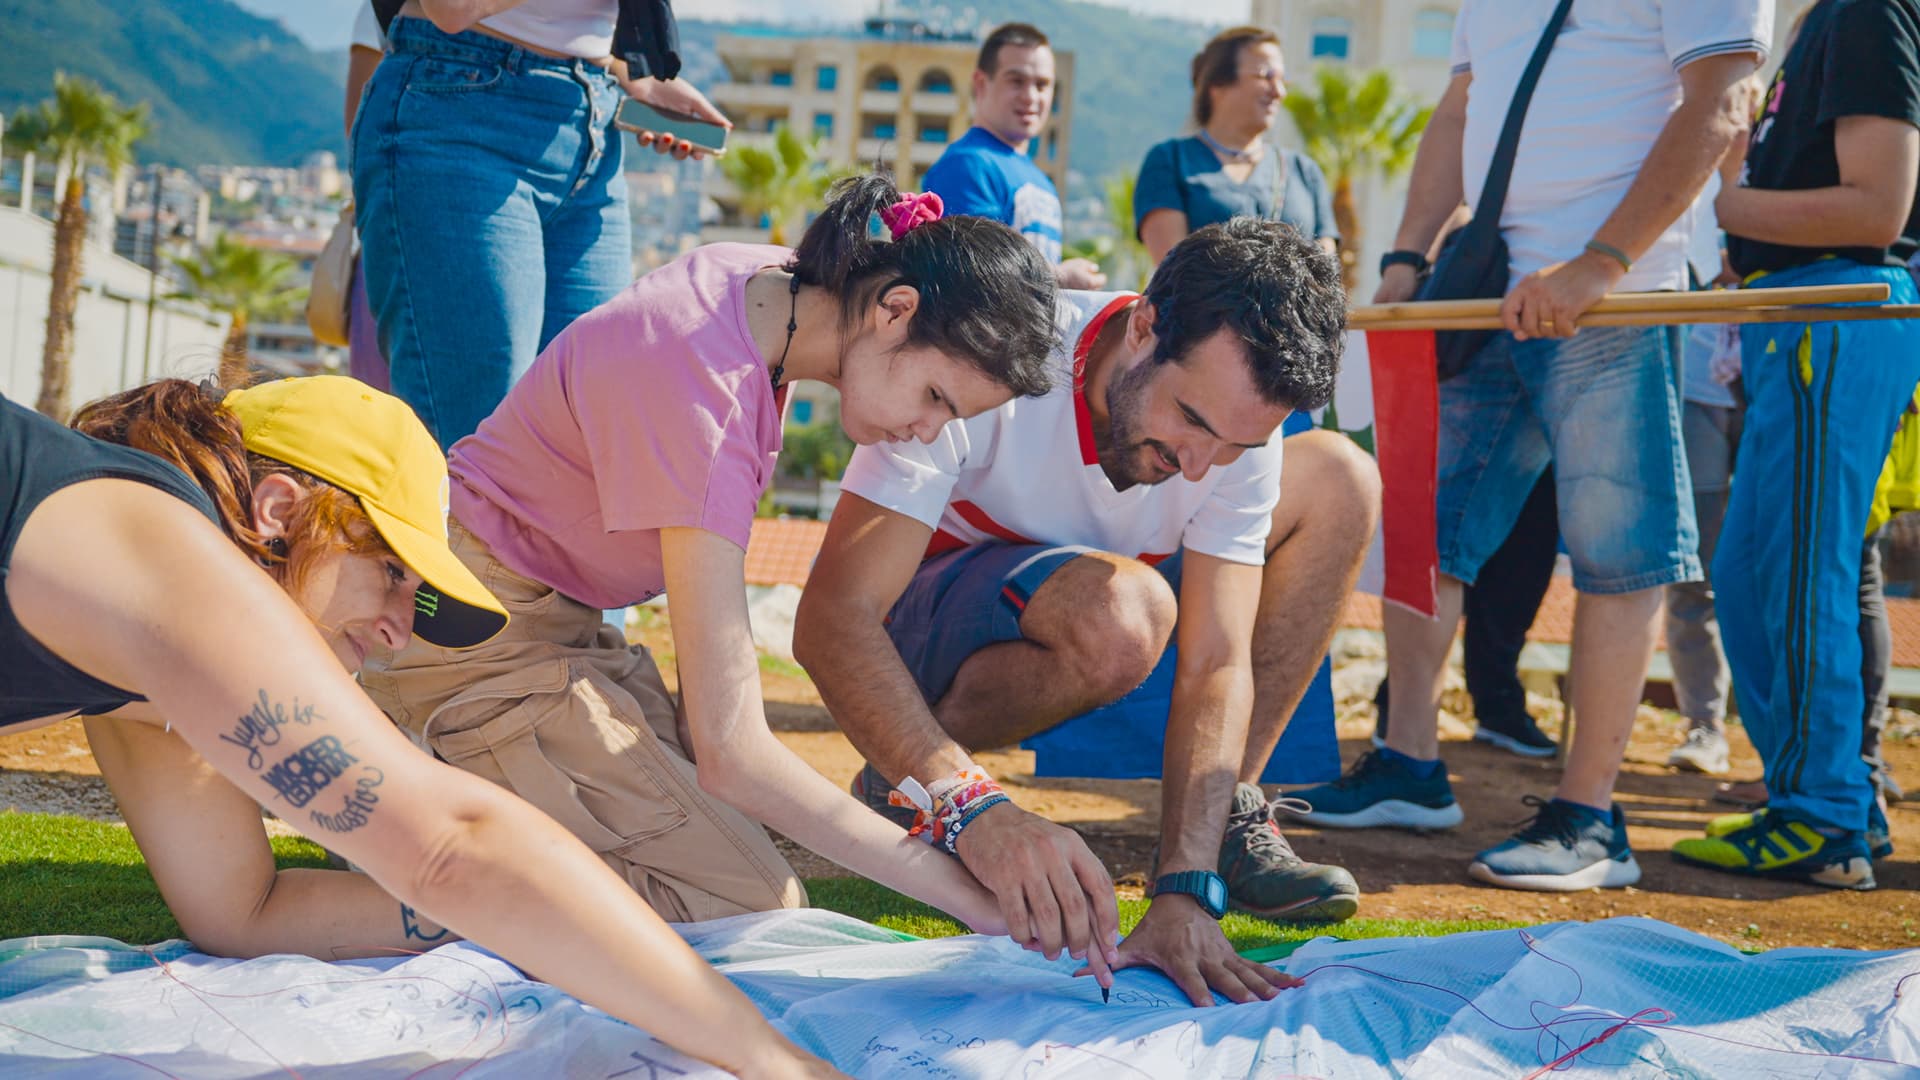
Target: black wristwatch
{"points": [[1209, 888], [1403, 258]]}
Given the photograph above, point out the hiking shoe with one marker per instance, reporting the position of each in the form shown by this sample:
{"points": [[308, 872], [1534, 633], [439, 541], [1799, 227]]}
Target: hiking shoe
{"points": [[1565, 848], [1775, 845], [1265, 877], [1515, 734], [1379, 791], [1878, 838], [1705, 751], [872, 789]]}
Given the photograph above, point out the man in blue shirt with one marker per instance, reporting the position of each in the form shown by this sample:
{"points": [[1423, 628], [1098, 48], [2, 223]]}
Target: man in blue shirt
{"points": [[986, 172]]}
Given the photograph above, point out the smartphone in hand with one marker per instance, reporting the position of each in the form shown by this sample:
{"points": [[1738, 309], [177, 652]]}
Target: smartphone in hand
{"points": [[638, 116]]}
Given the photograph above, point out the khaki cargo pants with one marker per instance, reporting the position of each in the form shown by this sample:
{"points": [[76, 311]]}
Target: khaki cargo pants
{"points": [[560, 710]]}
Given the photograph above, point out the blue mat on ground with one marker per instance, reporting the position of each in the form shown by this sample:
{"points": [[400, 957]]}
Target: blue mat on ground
{"points": [[1625, 997], [1125, 740]]}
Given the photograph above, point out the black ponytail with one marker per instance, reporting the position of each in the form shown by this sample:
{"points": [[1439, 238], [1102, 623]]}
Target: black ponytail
{"points": [[986, 296]]}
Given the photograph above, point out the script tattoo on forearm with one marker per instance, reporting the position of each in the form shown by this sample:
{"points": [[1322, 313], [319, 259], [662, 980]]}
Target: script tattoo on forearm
{"points": [[307, 771], [410, 926], [261, 726], [358, 805]]}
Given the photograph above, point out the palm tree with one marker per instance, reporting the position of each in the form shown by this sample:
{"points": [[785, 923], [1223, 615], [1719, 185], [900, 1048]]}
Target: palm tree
{"points": [[1352, 129], [782, 183], [242, 281], [80, 127]]}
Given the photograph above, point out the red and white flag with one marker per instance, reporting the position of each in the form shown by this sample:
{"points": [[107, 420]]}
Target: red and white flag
{"points": [[1388, 401]]}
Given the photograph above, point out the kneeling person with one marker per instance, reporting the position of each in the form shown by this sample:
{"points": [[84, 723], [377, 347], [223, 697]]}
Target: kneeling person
{"points": [[1031, 564]]}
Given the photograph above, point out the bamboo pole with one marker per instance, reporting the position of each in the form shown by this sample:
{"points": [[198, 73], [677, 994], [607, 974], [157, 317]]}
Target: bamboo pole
{"points": [[1399, 315], [1807, 314]]}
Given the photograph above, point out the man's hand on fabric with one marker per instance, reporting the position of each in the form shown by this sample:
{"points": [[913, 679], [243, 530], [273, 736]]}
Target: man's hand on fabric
{"points": [[1186, 944], [1053, 892]]}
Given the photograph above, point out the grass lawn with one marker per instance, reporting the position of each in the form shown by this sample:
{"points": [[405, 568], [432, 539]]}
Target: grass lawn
{"points": [[68, 875]]}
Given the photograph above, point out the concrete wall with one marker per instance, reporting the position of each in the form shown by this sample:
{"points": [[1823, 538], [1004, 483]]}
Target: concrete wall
{"points": [[111, 351]]}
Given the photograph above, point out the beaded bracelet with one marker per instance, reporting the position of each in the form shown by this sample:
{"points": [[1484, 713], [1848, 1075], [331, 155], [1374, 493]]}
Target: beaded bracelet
{"points": [[958, 808], [951, 839], [928, 802]]}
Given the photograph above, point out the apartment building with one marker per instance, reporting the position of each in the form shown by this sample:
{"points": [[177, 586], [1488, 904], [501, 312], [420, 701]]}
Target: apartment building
{"points": [[893, 93]]}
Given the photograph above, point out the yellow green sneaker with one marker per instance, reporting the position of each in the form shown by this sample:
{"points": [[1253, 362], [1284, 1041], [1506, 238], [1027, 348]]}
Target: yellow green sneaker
{"points": [[1879, 840], [1774, 845]]}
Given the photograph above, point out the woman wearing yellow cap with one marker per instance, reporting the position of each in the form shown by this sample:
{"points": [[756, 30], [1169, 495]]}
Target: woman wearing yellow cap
{"points": [[196, 573]]}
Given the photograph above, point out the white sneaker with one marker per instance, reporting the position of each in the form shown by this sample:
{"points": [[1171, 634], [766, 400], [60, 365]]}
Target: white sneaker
{"points": [[1705, 751]]}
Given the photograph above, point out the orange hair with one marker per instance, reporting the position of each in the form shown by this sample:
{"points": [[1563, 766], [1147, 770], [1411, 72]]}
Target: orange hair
{"points": [[185, 425]]}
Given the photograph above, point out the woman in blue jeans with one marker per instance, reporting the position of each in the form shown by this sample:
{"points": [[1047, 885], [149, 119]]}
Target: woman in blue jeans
{"points": [[488, 186]]}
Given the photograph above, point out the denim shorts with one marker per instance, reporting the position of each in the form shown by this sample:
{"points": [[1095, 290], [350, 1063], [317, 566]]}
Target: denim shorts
{"points": [[1603, 407], [966, 600]]}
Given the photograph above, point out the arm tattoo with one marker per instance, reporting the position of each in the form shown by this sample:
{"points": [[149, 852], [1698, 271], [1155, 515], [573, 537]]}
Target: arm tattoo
{"points": [[412, 930], [261, 726], [358, 806], [307, 771]]}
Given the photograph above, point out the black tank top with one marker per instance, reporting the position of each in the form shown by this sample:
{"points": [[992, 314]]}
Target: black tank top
{"points": [[37, 458]]}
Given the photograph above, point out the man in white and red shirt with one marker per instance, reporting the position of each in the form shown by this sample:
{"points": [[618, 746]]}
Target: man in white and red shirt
{"points": [[1031, 564]]}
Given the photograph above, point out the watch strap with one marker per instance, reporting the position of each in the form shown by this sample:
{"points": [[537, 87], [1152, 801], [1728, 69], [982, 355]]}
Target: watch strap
{"points": [[1205, 886], [1404, 258]]}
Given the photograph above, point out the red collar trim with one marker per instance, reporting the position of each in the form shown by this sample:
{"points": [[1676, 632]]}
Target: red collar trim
{"points": [[1082, 415]]}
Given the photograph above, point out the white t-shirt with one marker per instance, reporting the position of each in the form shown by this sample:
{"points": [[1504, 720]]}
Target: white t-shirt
{"points": [[571, 27], [1608, 87], [1027, 472], [366, 29]]}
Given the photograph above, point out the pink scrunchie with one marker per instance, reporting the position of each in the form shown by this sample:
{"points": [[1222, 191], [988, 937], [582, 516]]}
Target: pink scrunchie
{"points": [[912, 211]]}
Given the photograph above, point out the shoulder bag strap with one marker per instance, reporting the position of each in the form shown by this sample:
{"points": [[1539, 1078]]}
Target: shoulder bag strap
{"points": [[1493, 195]]}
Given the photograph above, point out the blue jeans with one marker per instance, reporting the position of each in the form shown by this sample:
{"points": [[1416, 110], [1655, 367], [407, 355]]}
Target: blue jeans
{"points": [[1823, 401], [1603, 408], [492, 211]]}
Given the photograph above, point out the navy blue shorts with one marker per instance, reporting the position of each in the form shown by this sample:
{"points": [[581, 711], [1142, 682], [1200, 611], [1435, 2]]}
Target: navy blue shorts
{"points": [[966, 600]]}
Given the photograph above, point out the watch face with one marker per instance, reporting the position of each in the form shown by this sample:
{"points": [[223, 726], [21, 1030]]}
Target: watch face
{"points": [[1216, 894]]}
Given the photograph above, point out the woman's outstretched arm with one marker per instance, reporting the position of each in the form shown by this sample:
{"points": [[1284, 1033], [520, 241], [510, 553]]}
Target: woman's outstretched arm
{"points": [[135, 588]]}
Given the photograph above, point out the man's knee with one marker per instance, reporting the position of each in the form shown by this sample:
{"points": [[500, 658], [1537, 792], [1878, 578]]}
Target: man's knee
{"points": [[1111, 615], [1328, 476]]}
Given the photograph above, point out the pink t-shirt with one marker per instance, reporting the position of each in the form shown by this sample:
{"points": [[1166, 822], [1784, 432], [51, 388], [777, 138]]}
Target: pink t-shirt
{"points": [[651, 411]]}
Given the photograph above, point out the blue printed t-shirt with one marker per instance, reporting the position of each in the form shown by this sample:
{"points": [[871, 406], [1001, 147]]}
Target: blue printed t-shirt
{"points": [[980, 176], [1185, 175]]}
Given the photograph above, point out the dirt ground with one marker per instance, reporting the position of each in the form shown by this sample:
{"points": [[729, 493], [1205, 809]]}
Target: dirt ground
{"points": [[1402, 875]]}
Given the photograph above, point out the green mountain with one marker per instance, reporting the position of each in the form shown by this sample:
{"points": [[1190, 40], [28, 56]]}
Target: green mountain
{"points": [[227, 86]]}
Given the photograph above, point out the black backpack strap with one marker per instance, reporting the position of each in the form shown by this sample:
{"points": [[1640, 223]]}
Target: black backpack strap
{"points": [[1493, 194], [385, 10]]}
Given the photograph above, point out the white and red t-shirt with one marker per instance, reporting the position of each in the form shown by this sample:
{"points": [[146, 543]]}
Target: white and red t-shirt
{"points": [[1027, 472]]}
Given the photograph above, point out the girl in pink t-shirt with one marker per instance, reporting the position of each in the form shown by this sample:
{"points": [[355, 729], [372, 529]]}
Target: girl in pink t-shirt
{"points": [[629, 461]]}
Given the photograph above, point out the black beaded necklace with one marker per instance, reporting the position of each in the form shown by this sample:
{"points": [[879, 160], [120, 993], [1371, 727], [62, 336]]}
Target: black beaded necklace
{"points": [[793, 309]]}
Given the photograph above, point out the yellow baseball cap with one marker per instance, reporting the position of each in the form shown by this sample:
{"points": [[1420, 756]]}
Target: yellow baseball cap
{"points": [[371, 444]]}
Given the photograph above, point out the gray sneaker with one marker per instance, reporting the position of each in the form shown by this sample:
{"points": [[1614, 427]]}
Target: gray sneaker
{"points": [[1705, 751], [1265, 877], [872, 789]]}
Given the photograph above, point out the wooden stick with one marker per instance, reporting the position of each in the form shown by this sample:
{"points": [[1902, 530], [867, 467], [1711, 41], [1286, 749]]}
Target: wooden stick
{"points": [[1807, 314], [1715, 299]]}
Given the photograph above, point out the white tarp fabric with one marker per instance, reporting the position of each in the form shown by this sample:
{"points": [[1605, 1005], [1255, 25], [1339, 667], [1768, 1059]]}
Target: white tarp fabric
{"points": [[1500, 1003]]}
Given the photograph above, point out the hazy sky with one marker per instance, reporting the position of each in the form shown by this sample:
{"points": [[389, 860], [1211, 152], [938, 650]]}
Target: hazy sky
{"points": [[325, 24]]}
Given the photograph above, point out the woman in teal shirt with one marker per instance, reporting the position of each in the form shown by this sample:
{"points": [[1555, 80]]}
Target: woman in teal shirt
{"points": [[1228, 167]]}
